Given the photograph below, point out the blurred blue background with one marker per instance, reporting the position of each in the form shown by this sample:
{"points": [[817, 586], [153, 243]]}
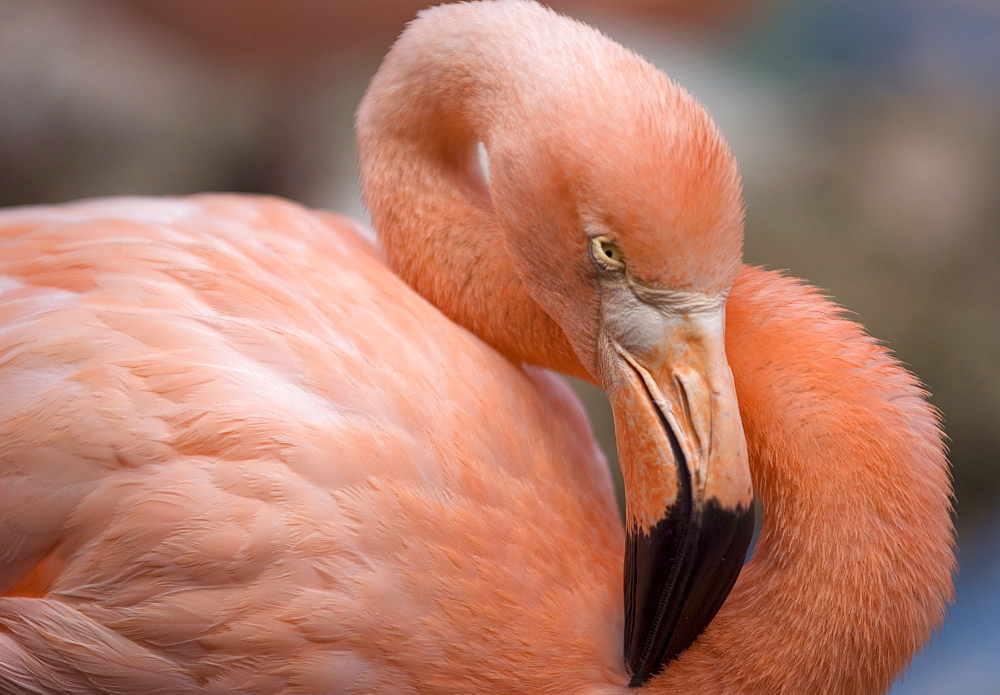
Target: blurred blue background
{"points": [[868, 134]]}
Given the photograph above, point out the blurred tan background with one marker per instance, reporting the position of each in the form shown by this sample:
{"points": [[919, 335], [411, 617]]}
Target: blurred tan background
{"points": [[868, 135]]}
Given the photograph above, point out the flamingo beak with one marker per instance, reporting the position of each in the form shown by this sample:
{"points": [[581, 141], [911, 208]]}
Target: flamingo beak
{"points": [[689, 498]]}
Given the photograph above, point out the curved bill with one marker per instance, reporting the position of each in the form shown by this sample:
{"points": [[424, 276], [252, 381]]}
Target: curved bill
{"points": [[689, 499]]}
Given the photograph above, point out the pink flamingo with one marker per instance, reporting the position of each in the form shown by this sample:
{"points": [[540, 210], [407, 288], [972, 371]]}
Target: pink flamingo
{"points": [[239, 453]]}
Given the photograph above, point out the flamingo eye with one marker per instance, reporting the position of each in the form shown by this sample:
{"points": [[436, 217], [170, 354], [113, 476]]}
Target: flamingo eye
{"points": [[606, 253]]}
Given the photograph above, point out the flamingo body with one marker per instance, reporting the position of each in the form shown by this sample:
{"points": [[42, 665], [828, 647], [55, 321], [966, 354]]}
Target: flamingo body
{"points": [[239, 453], [231, 465]]}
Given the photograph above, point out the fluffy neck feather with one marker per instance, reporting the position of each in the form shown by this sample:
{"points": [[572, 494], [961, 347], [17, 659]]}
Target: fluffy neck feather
{"points": [[853, 567], [417, 130]]}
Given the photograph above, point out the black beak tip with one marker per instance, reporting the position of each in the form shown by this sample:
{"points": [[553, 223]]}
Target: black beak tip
{"points": [[677, 576]]}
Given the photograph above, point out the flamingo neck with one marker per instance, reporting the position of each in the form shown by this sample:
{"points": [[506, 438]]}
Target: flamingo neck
{"points": [[448, 84], [853, 566]]}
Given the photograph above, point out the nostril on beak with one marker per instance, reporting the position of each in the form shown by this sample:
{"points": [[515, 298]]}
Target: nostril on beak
{"points": [[685, 404]]}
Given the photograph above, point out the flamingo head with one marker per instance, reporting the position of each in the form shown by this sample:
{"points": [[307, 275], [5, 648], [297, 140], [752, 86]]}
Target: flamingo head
{"points": [[639, 200], [610, 220]]}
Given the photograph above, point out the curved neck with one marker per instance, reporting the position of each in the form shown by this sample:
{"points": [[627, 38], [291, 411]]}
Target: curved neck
{"points": [[418, 128], [853, 567]]}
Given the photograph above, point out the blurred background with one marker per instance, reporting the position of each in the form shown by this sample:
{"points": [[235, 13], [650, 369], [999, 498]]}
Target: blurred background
{"points": [[868, 134]]}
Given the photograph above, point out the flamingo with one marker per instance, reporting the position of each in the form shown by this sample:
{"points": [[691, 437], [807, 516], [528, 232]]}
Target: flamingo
{"points": [[246, 448]]}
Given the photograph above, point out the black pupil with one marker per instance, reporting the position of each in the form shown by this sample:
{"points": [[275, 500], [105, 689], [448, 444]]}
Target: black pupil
{"points": [[608, 252]]}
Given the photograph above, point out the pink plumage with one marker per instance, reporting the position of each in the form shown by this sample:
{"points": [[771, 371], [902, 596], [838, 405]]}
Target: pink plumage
{"points": [[238, 452]]}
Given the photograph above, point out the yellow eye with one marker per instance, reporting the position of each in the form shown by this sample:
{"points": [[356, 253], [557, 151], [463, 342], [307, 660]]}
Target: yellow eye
{"points": [[606, 253]]}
